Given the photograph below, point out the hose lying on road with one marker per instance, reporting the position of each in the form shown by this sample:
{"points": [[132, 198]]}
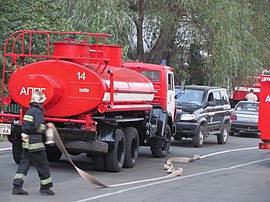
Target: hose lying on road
{"points": [[176, 172], [82, 173], [168, 166]]}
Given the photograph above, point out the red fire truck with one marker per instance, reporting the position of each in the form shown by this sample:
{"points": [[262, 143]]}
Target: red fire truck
{"points": [[240, 92], [101, 106], [264, 116]]}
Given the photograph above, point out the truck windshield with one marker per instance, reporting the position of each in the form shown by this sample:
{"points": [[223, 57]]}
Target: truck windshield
{"points": [[152, 75], [190, 96]]}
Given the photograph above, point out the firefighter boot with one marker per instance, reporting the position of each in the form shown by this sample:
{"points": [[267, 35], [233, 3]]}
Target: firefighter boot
{"points": [[18, 191], [46, 191]]}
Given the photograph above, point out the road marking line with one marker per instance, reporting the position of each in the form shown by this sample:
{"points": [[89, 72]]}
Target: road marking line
{"points": [[174, 179], [169, 180], [227, 151]]}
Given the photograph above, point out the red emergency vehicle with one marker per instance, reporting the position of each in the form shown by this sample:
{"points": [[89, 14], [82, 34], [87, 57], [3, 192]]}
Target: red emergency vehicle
{"points": [[264, 115], [102, 106], [239, 92]]}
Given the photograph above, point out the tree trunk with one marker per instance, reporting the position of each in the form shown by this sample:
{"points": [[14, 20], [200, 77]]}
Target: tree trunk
{"points": [[139, 26]]}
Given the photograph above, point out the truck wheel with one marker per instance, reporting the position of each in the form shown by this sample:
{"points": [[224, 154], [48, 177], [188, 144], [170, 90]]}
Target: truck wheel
{"points": [[223, 137], [198, 139], [53, 153], [132, 147], [98, 162], [160, 152], [17, 151], [114, 159]]}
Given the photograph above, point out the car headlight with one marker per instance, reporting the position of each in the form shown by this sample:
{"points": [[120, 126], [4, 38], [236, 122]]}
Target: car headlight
{"points": [[188, 117]]}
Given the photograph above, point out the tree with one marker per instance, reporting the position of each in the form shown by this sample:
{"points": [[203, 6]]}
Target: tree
{"points": [[237, 33], [234, 34], [29, 14]]}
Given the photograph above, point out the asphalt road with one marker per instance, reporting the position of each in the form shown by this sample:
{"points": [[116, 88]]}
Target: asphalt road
{"points": [[237, 171]]}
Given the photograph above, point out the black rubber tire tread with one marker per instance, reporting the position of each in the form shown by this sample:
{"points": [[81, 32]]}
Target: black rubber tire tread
{"points": [[132, 147], [17, 152], [223, 138], [177, 138], [53, 153], [160, 152], [98, 162], [114, 159], [196, 138], [231, 133], [87, 147]]}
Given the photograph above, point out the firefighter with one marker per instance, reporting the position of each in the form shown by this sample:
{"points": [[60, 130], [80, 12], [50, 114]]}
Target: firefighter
{"points": [[34, 151]]}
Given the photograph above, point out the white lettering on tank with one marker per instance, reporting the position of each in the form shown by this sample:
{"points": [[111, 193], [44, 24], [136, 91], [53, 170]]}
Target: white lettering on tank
{"points": [[30, 90], [84, 90], [267, 98]]}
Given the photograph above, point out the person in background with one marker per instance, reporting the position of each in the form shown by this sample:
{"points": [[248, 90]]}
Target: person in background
{"points": [[33, 148], [251, 96]]}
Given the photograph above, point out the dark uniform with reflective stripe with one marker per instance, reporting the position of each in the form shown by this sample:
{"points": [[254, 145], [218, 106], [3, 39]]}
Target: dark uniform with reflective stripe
{"points": [[34, 150]]}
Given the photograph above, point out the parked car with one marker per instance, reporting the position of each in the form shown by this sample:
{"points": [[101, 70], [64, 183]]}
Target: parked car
{"points": [[202, 111], [245, 118]]}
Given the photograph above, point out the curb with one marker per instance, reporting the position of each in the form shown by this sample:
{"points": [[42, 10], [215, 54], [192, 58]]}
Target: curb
{"points": [[5, 149], [5, 146]]}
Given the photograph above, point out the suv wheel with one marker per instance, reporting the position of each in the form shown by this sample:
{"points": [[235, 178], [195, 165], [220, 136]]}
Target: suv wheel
{"points": [[223, 137], [198, 139]]}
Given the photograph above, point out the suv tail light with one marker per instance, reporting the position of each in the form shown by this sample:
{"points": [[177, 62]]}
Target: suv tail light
{"points": [[233, 117]]}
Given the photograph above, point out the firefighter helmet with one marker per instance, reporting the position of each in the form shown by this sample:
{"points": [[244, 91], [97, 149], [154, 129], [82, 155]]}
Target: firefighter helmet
{"points": [[38, 97]]}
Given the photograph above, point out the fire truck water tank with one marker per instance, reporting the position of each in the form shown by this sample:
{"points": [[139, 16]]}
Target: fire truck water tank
{"points": [[73, 89]]}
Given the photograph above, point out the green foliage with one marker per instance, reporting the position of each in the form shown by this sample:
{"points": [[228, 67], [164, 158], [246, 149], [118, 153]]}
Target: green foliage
{"points": [[103, 16], [235, 33], [235, 45], [3, 138], [29, 14]]}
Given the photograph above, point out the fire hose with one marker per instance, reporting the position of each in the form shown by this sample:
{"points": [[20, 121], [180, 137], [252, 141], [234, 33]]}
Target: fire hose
{"points": [[82, 173], [86, 176]]}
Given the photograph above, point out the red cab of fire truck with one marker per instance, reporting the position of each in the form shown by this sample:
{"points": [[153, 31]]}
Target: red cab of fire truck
{"points": [[264, 115], [100, 105]]}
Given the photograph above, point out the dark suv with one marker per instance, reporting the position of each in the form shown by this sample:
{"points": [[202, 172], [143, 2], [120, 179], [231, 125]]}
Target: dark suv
{"points": [[202, 111]]}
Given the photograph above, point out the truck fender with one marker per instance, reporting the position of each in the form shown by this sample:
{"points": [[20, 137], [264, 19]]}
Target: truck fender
{"points": [[158, 120], [162, 122]]}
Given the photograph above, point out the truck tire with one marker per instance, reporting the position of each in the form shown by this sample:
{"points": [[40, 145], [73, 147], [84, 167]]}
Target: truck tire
{"points": [[114, 159], [132, 147], [160, 152], [98, 162], [198, 139], [223, 137], [17, 151], [53, 153]]}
